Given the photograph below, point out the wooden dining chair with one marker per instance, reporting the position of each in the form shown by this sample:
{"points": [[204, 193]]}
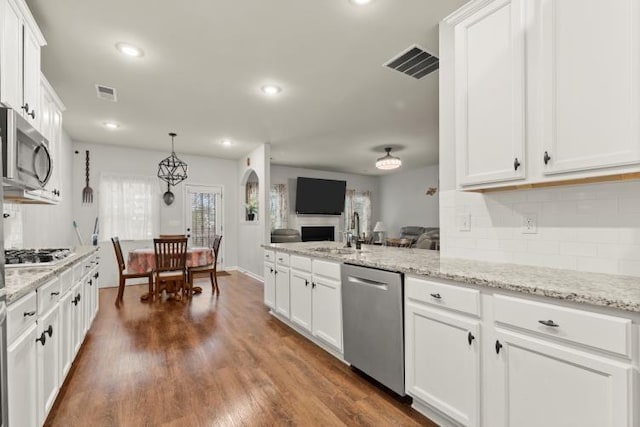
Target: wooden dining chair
{"points": [[124, 275], [171, 265], [210, 269], [172, 236]]}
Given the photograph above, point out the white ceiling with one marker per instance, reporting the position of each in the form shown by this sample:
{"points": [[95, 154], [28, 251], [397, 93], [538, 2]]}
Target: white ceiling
{"points": [[206, 60]]}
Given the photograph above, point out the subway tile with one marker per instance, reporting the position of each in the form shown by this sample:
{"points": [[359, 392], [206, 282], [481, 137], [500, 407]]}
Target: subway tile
{"points": [[597, 265], [543, 247], [629, 205], [629, 252], [629, 267], [582, 249], [545, 260]]}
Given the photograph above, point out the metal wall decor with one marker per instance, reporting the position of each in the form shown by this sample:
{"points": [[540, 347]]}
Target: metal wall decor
{"points": [[172, 170]]}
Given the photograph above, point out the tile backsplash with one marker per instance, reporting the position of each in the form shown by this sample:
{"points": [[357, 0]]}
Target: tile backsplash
{"points": [[12, 226], [592, 228]]}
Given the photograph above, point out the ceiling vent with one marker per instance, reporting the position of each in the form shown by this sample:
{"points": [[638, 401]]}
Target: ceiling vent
{"points": [[414, 62], [107, 93]]}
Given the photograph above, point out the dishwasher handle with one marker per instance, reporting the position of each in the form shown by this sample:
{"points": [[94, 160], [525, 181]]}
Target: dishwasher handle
{"points": [[368, 282]]}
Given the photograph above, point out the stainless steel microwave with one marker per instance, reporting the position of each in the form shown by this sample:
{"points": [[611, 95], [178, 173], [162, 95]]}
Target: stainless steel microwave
{"points": [[26, 160]]}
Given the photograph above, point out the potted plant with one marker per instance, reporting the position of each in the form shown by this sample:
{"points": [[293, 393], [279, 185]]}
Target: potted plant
{"points": [[252, 208]]}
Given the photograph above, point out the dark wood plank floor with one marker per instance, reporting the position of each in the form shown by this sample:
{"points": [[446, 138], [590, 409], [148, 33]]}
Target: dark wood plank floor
{"points": [[213, 361]]}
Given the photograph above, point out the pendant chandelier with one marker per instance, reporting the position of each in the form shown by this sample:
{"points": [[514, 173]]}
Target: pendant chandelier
{"points": [[172, 170], [388, 161]]}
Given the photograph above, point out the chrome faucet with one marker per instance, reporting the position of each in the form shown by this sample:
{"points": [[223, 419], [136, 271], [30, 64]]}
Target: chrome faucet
{"points": [[355, 224]]}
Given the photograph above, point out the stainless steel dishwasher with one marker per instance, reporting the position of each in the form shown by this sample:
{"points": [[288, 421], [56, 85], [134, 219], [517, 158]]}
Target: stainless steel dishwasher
{"points": [[373, 323]]}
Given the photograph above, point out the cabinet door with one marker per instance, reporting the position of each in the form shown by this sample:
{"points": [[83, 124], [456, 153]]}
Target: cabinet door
{"points": [[11, 55], [77, 316], [22, 379], [326, 311], [269, 286], [551, 385], [490, 94], [56, 152], [48, 363], [301, 299], [66, 333], [590, 83], [443, 362], [282, 291], [31, 77]]}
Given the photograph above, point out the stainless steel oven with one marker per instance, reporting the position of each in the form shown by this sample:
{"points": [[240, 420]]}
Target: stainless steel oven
{"points": [[26, 161]]}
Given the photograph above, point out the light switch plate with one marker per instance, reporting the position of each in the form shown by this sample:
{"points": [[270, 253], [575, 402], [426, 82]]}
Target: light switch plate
{"points": [[530, 223], [464, 222]]}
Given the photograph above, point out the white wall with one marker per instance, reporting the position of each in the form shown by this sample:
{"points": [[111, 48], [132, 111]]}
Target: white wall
{"points": [[42, 226], [252, 234], [202, 170], [592, 228], [288, 175], [403, 199]]}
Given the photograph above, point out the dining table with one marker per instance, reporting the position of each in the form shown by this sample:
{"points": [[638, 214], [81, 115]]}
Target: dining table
{"points": [[143, 260]]}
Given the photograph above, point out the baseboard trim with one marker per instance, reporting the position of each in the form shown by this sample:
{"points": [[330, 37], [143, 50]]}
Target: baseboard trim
{"points": [[432, 413], [250, 274]]}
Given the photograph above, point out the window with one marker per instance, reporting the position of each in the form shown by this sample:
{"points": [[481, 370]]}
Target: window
{"points": [[129, 206], [279, 201], [358, 201]]}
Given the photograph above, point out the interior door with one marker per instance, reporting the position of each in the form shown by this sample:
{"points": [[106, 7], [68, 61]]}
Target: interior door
{"points": [[203, 216]]}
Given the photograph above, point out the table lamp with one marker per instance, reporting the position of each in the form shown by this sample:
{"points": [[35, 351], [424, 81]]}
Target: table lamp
{"points": [[380, 229]]}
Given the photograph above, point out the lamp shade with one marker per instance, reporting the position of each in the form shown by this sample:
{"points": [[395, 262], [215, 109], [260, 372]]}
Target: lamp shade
{"points": [[379, 228]]}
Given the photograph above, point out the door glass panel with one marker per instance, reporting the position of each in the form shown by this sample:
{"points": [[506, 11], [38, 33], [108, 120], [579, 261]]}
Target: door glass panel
{"points": [[204, 214]]}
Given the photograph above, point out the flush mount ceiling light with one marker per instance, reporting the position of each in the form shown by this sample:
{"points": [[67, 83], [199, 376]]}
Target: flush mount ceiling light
{"points": [[388, 162], [271, 90], [172, 170], [129, 50], [111, 125], [360, 2], [226, 142]]}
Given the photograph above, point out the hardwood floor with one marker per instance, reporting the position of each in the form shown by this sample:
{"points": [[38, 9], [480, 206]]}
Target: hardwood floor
{"points": [[213, 361]]}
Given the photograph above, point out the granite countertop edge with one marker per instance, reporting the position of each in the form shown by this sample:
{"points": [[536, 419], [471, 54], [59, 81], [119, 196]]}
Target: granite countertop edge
{"points": [[513, 280], [20, 281]]}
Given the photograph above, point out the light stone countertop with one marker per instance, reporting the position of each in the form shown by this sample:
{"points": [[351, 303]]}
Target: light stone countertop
{"points": [[607, 290], [19, 281]]}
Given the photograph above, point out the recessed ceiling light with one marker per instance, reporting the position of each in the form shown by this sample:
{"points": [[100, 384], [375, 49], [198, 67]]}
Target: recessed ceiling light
{"points": [[226, 142], [111, 125], [129, 50], [360, 2], [271, 90]]}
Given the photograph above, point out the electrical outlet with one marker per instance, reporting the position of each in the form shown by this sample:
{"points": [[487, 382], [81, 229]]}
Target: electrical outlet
{"points": [[530, 223], [464, 222]]}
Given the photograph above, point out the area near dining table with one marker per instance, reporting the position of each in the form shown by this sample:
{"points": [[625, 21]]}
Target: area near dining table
{"points": [[143, 259]]}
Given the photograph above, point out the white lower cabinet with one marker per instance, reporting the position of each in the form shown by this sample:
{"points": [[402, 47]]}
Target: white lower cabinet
{"points": [[546, 384], [66, 333], [282, 291], [269, 285], [49, 334], [77, 316], [300, 285], [22, 383], [327, 310]]}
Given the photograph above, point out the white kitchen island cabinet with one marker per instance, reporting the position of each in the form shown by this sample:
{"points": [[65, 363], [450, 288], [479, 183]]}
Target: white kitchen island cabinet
{"points": [[22, 381]]}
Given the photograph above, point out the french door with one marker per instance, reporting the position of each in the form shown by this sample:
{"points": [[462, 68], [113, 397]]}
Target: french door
{"points": [[203, 215]]}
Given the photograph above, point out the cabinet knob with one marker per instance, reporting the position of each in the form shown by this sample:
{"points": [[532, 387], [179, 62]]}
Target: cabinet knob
{"points": [[271, 270], [306, 282], [549, 323], [53, 294], [42, 339], [313, 285], [546, 157], [32, 114], [90, 282], [470, 338], [516, 164], [25, 107], [436, 296], [49, 330], [29, 313], [275, 272], [6, 215], [498, 347]]}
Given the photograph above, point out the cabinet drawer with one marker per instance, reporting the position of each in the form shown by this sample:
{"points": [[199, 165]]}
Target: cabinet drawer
{"points": [[66, 280], [282, 259], [301, 263], [443, 295], [327, 269], [270, 256], [48, 295], [596, 330], [78, 272], [20, 315]]}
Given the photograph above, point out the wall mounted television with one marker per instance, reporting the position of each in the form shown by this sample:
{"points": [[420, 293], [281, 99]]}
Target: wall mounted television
{"points": [[320, 196]]}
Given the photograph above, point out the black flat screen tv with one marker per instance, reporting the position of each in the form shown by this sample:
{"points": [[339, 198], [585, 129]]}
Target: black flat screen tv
{"points": [[320, 196]]}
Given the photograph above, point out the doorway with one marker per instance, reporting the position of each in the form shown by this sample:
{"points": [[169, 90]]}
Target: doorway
{"points": [[203, 215]]}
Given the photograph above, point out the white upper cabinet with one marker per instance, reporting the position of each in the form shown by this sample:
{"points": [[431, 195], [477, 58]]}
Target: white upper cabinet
{"points": [[589, 77], [20, 60], [490, 93]]}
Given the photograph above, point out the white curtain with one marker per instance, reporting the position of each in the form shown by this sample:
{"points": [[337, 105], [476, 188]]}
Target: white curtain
{"points": [[129, 207], [279, 206], [358, 201]]}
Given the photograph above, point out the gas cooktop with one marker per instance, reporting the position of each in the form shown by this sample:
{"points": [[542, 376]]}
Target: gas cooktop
{"points": [[35, 257]]}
